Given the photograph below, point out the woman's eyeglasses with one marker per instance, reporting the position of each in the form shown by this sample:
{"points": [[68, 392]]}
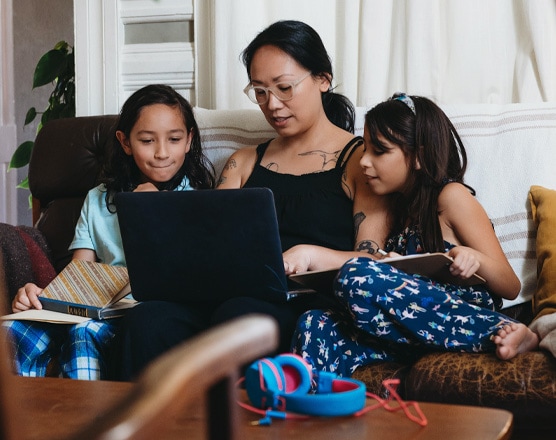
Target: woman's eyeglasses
{"points": [[284, 91]]}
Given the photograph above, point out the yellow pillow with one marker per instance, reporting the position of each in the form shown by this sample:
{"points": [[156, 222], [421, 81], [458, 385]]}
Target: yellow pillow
{"points": [[543, 207]]}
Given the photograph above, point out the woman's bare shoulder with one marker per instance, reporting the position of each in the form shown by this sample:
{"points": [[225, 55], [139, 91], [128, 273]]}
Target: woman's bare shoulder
{"points": [[238, 167]]}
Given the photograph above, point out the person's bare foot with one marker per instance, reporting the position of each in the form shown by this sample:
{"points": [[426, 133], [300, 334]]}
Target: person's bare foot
{"points": [[514, 339]]}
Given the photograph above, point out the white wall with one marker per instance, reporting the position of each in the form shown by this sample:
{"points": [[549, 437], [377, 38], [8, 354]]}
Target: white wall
{"points": [[37, 26], [8, 208]]}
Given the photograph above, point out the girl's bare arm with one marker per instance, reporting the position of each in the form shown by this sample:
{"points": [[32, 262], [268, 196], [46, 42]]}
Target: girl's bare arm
{"points": [[466, 223]]}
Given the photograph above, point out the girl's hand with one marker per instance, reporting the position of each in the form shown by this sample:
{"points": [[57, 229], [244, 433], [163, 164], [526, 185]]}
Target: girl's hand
{"points": [[27, 298], [145, 187], [297, 259], [465, 262]]}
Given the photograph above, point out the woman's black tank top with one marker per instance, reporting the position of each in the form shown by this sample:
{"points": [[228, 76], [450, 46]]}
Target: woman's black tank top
{"points": [[311, 208]]}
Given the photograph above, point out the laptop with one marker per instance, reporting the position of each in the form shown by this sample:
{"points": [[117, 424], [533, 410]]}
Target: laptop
{"points": [[204, 245]]}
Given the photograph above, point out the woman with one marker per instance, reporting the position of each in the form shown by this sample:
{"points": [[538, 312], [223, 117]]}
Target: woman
{"points": [[323, 204]]}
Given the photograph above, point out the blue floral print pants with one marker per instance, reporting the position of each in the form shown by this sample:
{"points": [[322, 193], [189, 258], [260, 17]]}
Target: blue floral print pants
{"points": [[400, 309]]}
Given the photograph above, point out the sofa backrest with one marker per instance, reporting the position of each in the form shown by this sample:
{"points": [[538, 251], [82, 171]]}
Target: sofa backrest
{"points": [[67, 155], [510, 147], [64, 165]]}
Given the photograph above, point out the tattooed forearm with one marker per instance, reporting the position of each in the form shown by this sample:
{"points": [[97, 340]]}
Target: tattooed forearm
{"points": [[368, 246], [357, 220]]}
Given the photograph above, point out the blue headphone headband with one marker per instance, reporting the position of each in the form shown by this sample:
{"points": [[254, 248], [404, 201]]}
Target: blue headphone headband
{"points": [[284, 383]]}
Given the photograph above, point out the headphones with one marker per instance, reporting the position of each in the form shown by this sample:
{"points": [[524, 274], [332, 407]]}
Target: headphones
{"points": [[283, 383]]}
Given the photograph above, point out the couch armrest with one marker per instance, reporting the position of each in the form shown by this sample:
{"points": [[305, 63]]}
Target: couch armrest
{"points": [[24, 258]]}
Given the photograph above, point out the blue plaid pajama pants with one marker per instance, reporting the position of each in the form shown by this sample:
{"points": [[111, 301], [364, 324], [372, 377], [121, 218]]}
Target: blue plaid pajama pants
{"points": [[80, 348], [401, 309]]}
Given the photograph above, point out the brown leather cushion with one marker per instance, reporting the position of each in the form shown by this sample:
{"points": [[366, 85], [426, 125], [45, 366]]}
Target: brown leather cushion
{"points": [[526, 384], [373, 375]]}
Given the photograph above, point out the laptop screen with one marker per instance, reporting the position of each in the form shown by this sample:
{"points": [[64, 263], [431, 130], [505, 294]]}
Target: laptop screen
{"points": [[205, 245]]}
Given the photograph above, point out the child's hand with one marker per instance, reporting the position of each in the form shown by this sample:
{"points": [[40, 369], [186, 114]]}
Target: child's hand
{"points": [[27, 298], [145, 187], [465, 262]]}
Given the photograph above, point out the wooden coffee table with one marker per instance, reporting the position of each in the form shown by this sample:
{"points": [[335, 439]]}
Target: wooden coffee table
{"points": [[55, 416], [444, 422]]}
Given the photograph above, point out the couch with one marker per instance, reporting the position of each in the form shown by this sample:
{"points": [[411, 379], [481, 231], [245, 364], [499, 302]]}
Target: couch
{"points": [[510, 148]]}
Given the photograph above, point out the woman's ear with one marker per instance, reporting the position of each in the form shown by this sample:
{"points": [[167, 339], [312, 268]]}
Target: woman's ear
{"points": [[325, 82], [124, 142]]}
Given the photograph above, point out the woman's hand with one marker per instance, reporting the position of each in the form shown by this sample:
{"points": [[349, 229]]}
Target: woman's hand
{"points": [[27, 298], [465, 264], [297, 259]]}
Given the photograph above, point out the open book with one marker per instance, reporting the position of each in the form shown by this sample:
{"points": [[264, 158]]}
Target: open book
{"points": [[432, 265], [82, 290]]}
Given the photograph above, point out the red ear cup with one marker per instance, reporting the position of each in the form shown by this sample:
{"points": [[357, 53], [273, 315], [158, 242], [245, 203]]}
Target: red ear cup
{"points": [[268, 378], [296, 372]]}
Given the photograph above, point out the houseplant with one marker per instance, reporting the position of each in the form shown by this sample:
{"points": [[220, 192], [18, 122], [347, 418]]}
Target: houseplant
{"points": [[56, 67]]}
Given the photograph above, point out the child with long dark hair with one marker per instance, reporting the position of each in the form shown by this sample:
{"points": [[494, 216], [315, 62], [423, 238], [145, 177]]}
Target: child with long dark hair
{"points": [[157, 147], [414, 158]]}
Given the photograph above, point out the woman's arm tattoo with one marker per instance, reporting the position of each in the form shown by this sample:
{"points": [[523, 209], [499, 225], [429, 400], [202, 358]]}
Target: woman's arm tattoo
{"points": [[369, 246], [231, 163], [358, 218]]}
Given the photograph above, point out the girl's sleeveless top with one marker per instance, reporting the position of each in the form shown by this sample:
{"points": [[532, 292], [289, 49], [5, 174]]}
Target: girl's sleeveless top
{"points": [[311, 208]]}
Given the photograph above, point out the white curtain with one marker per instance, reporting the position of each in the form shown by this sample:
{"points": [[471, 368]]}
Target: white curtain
{"points": [[453, 51]]}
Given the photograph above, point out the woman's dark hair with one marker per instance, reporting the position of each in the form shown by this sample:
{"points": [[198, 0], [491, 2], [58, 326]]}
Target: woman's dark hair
{"points": [[304, 45], [427, 136], [120, 172]]}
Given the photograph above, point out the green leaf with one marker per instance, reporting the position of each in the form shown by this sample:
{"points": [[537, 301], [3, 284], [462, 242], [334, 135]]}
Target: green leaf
{"points": [[62, 45], [21, 155], [24, 184], [57, 66], [51, 64], [30, 116]]}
